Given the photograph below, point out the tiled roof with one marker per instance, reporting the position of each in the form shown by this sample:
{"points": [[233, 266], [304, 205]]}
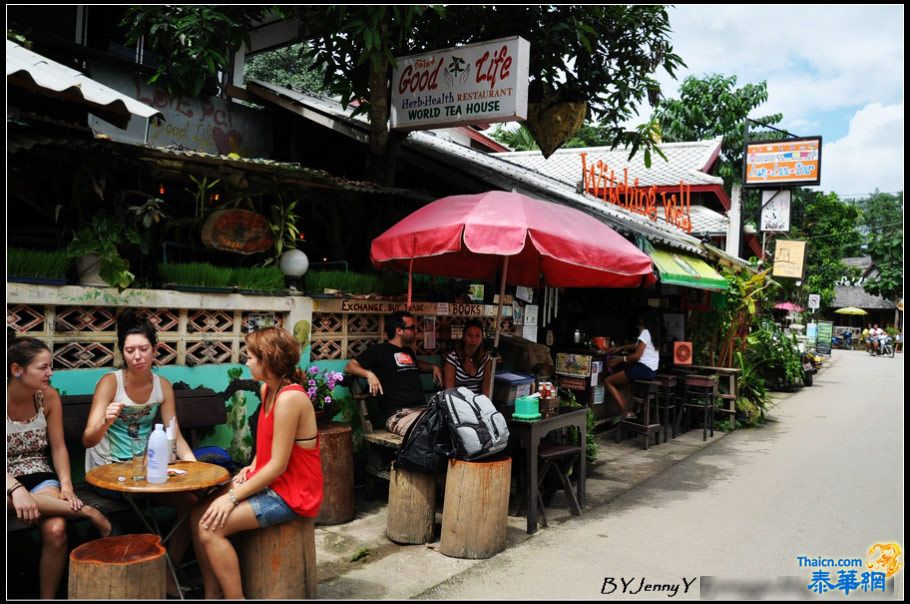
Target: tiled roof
{"points": [[496, 170], [59, 80], [860, 262], [685, 162], [852, 295], [20, 140], [706, 221]]}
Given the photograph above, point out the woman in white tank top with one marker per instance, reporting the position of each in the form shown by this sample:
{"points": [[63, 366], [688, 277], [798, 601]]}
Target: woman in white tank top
{"points": [[130, 398]]}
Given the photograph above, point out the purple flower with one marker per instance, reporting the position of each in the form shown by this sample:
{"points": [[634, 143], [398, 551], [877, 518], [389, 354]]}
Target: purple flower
{"points": [[314, 370], [327, 400], [312, 382], [311, 392]]}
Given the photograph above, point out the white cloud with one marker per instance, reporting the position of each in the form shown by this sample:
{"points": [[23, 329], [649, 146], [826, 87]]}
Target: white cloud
{"points": [[870, 156], [814, 58]]}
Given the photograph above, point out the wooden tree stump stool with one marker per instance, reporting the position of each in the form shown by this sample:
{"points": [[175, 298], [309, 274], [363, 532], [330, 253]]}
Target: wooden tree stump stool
{"points": [[476, 507], [336, 449], [278, 562], [412, 506], [129, 567]]}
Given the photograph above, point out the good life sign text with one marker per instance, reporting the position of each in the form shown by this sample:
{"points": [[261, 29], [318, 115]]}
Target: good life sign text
{"points": [[486, 82]]}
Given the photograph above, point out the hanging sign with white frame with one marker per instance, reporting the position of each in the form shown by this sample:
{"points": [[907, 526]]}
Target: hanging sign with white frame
{"points": [[477, 83]]}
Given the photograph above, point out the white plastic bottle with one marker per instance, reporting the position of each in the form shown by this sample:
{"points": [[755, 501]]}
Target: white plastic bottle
{"points": [[156, 471]]}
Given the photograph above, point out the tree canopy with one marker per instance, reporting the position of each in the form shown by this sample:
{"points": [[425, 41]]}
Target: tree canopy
{"points": [[882, 232], [604, 55], [711, 106], [828, 225]]}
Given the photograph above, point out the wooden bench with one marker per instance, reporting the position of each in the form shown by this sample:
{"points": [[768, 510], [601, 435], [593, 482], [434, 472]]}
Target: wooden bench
{"points": [[197, 408], [381, 445]]}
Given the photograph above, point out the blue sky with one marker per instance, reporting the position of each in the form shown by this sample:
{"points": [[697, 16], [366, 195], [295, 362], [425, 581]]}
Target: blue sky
{"points": [[833, 70]]}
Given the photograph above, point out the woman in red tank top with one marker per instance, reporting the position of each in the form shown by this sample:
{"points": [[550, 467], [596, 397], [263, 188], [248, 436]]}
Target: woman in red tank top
{"points": [[284, 479]]}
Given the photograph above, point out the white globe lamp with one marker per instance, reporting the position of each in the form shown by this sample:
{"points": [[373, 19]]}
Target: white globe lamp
{"points": [[294, 263]]}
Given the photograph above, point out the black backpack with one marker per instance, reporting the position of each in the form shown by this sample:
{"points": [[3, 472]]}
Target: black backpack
{"points": [[427, 444]]}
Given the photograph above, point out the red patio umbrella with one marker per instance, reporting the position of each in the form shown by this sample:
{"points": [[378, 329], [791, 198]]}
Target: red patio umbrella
{"points": [[533, 242], [788, 306]]}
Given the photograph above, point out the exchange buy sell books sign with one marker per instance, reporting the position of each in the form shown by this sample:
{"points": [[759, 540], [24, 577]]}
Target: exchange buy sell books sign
{"points": [[486, 82]]}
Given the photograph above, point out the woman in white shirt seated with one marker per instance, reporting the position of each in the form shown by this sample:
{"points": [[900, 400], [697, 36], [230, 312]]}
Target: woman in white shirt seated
{"points": [[638, 365]]}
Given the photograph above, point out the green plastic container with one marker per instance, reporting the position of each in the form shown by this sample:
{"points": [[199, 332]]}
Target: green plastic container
{"points": [[527, 407]]}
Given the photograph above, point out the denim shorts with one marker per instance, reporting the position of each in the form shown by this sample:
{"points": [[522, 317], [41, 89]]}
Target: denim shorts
{"points": [[639, 372], [45, 484], [270, 508]]}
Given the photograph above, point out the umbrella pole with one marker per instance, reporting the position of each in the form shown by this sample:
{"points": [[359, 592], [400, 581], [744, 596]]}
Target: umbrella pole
{"points": [[502, 294]]}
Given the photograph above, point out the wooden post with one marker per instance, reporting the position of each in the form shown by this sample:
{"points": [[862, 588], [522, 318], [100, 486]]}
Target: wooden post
{"points": [[336, 450], [130, 567], [412, 506], [476, 507], [278, 562]]}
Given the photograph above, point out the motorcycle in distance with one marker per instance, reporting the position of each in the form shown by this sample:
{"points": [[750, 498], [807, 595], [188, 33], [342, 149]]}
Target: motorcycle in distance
{"points": [[843, 341], [810, 363], [885, 348]]}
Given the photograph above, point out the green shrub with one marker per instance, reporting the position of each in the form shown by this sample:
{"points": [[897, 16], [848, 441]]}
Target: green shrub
{"points": [[33, 263]]}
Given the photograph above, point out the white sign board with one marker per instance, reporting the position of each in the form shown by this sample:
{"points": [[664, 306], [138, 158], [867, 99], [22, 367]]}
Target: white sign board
{"points": [[814, 301], [478, 83], [775, 211]]}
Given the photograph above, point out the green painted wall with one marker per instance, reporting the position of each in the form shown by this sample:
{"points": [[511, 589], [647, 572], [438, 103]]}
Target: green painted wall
{"points": [[82, 381]]}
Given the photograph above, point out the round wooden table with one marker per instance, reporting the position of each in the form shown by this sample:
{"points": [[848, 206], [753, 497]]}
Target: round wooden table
{"points": [[199, 476]]}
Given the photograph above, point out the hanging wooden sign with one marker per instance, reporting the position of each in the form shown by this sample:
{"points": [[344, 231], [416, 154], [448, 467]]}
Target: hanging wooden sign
{"points": [[238, 231]]}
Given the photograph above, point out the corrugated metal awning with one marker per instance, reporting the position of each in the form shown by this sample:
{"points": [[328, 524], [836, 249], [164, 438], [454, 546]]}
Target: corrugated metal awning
{"points": [[32, 71]]}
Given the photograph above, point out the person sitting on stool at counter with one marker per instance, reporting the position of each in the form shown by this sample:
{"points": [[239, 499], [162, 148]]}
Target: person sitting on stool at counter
{"points": [[639, 365], [392, 370]]}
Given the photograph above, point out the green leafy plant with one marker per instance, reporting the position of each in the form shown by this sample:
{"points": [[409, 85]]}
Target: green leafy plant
{"points": [[284, 227], [201, 193], [103, 236], [145, 217], [775, 357], [567, 399], [33, 263]]}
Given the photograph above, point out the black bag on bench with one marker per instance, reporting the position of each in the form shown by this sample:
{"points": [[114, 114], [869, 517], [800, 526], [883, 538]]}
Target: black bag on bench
{"points": [[427, 444]]}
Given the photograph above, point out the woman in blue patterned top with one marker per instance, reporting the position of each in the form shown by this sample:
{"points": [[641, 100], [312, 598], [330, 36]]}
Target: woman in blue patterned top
{"points": [[468, 364], [126, 403]]}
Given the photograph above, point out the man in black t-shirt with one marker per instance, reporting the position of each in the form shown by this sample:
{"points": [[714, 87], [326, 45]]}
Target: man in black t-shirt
{"points": [[392, 371]]}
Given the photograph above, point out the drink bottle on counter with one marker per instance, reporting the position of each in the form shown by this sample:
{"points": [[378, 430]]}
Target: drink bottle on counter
{"points": [[158, 450]]}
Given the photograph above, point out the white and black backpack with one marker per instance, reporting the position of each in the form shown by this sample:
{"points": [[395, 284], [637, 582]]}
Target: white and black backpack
{"points": [[478, 429]]}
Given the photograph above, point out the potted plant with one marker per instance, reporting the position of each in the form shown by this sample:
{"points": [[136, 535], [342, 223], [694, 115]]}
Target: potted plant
{"points": [[320, 387], [96, 250]]}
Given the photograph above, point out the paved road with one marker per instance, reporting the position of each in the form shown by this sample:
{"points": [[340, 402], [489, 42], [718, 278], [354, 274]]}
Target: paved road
{"points": [[823, 479]]}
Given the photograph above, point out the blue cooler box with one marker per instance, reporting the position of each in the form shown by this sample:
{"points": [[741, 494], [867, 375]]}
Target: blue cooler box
{"points": [[509, 385]]}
